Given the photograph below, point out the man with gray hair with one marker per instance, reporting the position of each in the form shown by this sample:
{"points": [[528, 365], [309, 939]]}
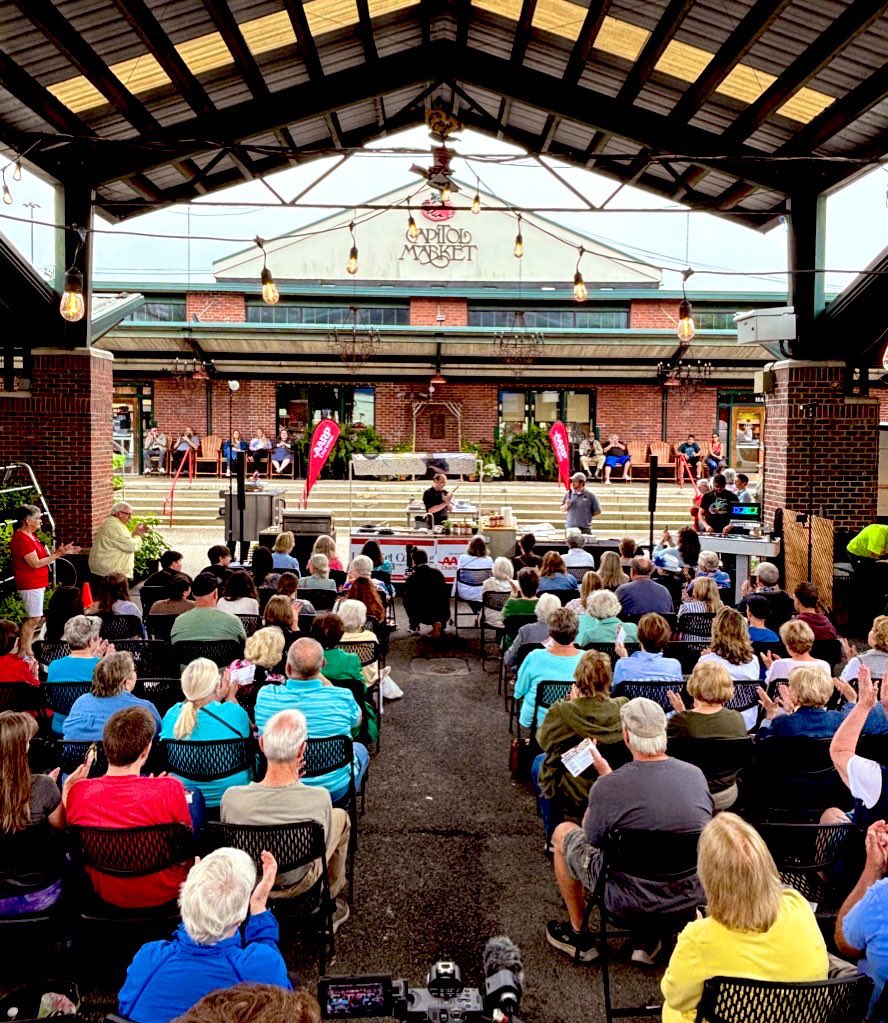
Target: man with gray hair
{"points": [[653, 792], [329, 710], [282, 797], [577, 556], [781, 606], [114, 546], [208, 951]]}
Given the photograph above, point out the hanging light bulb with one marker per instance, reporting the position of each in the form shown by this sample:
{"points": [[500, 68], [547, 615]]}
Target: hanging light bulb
{"points": [[476, 204], [518, 250], [686, 329], [7, 195], [352, 265], [17, 172], [72, 305], [445, 192], [581, 292], [412, 229], [270, 293]]}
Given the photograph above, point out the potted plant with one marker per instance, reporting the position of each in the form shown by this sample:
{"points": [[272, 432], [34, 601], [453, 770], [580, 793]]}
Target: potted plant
{"points": [[526, 454], [147, 558]]}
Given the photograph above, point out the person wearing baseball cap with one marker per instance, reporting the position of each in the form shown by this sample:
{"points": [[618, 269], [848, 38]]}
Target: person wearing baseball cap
{"points": [[580, 505], [653, 792]]}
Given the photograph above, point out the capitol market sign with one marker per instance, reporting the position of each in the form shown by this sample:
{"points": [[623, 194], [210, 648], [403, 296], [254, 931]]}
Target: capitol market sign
{"points": [[441, 243]]}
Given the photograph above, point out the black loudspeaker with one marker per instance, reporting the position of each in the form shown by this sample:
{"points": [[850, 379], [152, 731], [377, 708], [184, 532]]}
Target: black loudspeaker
{"points": [[240, 465], [652, 486]]}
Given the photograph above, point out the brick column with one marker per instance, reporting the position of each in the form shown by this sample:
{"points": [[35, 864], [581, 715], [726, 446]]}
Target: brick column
{"points": [[846, 445], [62, 429]]}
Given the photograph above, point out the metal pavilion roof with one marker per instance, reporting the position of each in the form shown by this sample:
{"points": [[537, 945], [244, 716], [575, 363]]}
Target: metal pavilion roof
{"points": [[723, 106]]}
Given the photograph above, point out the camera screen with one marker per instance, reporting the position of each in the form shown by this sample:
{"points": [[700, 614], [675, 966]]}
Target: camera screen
{"points": [[355, 997]]}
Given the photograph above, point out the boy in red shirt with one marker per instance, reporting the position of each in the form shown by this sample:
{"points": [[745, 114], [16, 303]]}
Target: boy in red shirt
{"points": [[124, 799]]}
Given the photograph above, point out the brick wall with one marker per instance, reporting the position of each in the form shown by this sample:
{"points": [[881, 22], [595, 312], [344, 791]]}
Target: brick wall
{"points": [[659, 314], [634, 411], [846, 446], [696, 413], [478, 404], [216, 307], [63, 430], [182, 402], [423, 312]]}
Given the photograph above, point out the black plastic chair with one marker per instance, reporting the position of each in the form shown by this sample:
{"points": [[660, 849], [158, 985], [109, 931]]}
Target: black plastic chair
{"points": [[368, 652], [152, 657], [221, 652], [20, 696], [722, 761], [511, 627], [162, 692], [611, 649], [386, 578], [737, 1000], [547, 693], [30, 861], [265, 594], [60, 696], [208, 759], [250, 623], [829, 650], [160, 626], [293, 845], [579, 571], [116, 627], [46, 651], [794, 779], [320, 600], [339, 576], [686, 652], [331, 753], [696, 623], [804, 854], [468, 577], [745, 696], [627, 852], [656, 691], [509, 684], [304, 623], [73, 754], [491, 600], [150, 595]]}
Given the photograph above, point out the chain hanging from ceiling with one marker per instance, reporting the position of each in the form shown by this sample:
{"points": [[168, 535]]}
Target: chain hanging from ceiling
{"points": [[518, 348], [687, 378], [354, 345]]}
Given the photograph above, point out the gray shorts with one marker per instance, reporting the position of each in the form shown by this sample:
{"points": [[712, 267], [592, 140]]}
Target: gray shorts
{"points": [[583, 860]]}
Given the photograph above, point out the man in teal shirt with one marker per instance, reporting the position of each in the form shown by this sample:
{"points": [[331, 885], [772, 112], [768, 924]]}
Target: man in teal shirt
{"points": [[328, 709]]}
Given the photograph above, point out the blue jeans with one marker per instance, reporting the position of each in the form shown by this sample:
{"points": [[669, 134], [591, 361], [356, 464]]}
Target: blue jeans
{"points": [[545, 803], [362, 758]]}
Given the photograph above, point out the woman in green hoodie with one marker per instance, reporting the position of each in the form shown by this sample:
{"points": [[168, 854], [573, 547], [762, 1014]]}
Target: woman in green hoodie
{"points": [[588, 712]]}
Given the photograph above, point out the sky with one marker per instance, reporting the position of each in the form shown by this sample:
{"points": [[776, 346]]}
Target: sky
{"points": [[857, 219]]}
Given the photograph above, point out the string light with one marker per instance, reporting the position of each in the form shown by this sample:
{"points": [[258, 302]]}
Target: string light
{"points": [[476, 202], [7, 195], [412, 229], [445, 193], [518, 250], [581, 292], [72, 307], [270, 293], [686, 329], [352, 265], [17, 172]]}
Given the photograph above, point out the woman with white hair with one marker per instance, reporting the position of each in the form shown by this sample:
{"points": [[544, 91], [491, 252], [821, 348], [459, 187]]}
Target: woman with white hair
{"points": [[354, 617], [87, 649], [601, 620], [361, 567], [709, 567], [318, 577], [502, 581], [210, 712], [534, 632], [208, 950]]}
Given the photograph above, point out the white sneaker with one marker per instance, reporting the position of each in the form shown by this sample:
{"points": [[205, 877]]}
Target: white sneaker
{"points": [[647, 958], [391, 690], [341, 913]]}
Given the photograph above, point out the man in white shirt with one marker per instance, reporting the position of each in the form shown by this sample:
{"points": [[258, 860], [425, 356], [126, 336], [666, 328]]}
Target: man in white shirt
{"points": [[577, 556]]}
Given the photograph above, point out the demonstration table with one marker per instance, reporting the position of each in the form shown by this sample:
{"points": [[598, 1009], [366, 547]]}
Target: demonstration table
{"points": [[744, 548]]}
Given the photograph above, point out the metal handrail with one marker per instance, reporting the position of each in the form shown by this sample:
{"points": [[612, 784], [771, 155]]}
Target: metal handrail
{"points": [[169, 500]]}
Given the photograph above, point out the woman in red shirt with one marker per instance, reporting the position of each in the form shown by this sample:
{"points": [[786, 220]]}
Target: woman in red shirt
{"points": [[12, 667], [30, 568]]}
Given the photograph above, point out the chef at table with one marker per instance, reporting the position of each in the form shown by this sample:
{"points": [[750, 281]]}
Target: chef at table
{"points": [[437, 500]]}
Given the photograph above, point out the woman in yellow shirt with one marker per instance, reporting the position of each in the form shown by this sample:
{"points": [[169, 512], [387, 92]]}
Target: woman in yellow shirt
{"points": [[753, 922]]}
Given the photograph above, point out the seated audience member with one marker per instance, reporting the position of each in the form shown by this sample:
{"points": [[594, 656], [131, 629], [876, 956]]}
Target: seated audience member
{"points": [[318, 577], [876, 658], [648, 664], [731, 646], [475, 558], [260, 449], [801, 709], [702, 598], [262, 565], [654, 792], [554, 575], [170, 568], [577, 556], [687, 548], [798, 639], [590, 584], [628, 550], [288, 586], [591, 455], [64, 604], [112, 690], [220, 558], [209, 713], [730, 480], [426, 596], [533, 632], [767, 578], [711, 688], [611, 571], [281, 557], [12, 667], [526, 557], [122, 798], [757, 611], [87, 648], [327, 545], [205, 623], [524, 602], [361, 567], [362, 589], [806, 601], [256, 1003], [502, 581], [265, 651], [227, 933], [342, 667], [231, 448], [381, 562], [709, 567], [691, 450], [240, 596], [704, 487], [601, 622], [329, 710], [279, 613], [751, 922], [744, 494], [354, 617], [642, 595], [588, 712], [282, 452], [556, 662], [282, 797], [30, 805], [669, 574], [179, 600], [115, 600]]}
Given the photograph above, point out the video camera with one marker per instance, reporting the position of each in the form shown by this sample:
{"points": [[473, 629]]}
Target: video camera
{"points": [[444, 999]]}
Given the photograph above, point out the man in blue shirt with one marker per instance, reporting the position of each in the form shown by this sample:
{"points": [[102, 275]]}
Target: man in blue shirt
{"points": [[329, 710], [641, 594]]}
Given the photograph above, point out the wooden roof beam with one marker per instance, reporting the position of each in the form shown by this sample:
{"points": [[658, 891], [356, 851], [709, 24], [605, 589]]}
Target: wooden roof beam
{"points": [[662, 35], [582, 50], [522, 30], [304, 39], [365, 31]]}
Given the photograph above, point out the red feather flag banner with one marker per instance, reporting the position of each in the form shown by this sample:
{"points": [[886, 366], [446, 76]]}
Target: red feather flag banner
{"points": [[323, 440], [561, 446]]}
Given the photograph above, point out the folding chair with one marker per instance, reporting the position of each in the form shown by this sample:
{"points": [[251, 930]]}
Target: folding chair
{"points": [[368, 653], [511, 627], [61, 696], [509, 684], [208, 759], [320, 600], [152, 657], [250, 623], [116, 627], [149, 595], [611, 649], [722, 761], [160, 626], [656, 691], [737, 1000], [293, 845], [686, 652], [793, 779], [46, 651], [468, 577], [221, 652], [696, 624], [547, 693], [491, 600], [162, 692], [579, 572]]}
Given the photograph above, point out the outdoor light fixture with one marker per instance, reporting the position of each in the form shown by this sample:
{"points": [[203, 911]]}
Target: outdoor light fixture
{"points": [[412, 229], [17, 172], [476, 203], [233, 385], [7, 195], [445, 192], [270, 293], [72, 306], [581, 292], [438, 379], [519, 241], [686, 329], [352, 265]]}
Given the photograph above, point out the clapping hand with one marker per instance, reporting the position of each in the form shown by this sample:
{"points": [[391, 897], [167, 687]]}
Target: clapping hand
{"points": [[770, 707], [259, 898], [768, 658], [104, 647], [141, 529], [785, 699], [78, 774], [866, 691], [675, 700], [620, 649], [746, 588], [849, 650], [877, 849], [846, 690]]}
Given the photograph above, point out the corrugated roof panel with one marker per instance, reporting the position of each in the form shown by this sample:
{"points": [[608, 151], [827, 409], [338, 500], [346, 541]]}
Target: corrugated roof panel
{"points": [[527, 118], [397, 32], [604, 74], [490, 32], [570, 133], [341, 52]]}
